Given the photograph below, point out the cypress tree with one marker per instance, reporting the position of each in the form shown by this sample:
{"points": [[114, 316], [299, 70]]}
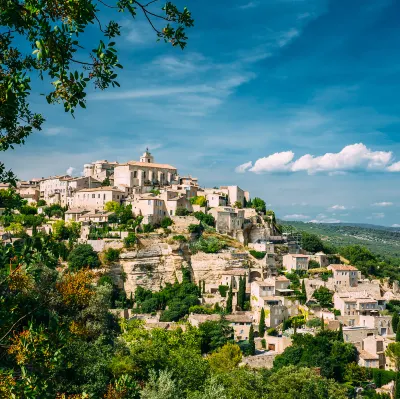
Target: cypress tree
{"points": [[398, 333], [240, 294], [395, 320], [204, 286], [199, 288], [303, 292], [262, 326], [251, 341], [322, 323], [340, 333], [397, 386], [229, 300]]}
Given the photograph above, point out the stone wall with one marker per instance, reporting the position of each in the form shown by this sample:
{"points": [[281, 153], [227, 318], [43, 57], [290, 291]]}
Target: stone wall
{"points": [[265, 360]]}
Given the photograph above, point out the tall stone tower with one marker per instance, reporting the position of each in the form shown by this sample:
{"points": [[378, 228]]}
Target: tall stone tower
{"points": [[147, 157]]}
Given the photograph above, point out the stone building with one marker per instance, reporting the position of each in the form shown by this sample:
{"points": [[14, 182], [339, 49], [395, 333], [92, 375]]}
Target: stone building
{"points": [[344, 275], [144, 173], [96, 198], [99, 170], [294, 262], [227, 219]]}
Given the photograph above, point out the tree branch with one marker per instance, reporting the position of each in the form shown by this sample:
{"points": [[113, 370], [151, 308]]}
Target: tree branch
{"points": [[107, 5]]}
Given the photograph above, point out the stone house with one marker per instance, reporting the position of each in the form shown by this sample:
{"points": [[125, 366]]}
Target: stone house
{"points": [[96, 198], [295, 262], [228, 220], [99, 170], [74, 214], [321, 258], [368, 360], [235, 194], [216, 199], [344, 275], [239, 321]]}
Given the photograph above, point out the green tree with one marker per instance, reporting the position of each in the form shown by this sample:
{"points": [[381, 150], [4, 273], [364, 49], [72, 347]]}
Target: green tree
{"points": [[215, 334], [55, 32], [229, 300], [398, 333], [83, 255], [324, 297], [166, 222], [238, 205], [340, 333], [106, 182], [251, 341], [241, 295], [9, 198], [181, 211], [226, 358], [311, 242], [161, 386], [395, 320], [258, 204], [292, 383], [262, 327]]}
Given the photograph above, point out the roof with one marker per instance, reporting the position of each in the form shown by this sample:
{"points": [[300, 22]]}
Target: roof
{"points": [[149, 165], [366, 300], [320, 253], [298, 255], [343, 268], [107, 188], [367, 356], [284, 290], [75, 210], [99, 213], [239, 318], [282, 278]]}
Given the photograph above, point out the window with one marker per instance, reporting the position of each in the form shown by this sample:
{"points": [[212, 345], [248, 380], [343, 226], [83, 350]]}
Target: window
{"points": [[104, 197], [98, 195], [135, 174], [93, 195], [149, 202], [170, 212]]}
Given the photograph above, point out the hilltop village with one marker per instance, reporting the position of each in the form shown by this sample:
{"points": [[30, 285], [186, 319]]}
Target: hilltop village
{"points": [[152, 228]]}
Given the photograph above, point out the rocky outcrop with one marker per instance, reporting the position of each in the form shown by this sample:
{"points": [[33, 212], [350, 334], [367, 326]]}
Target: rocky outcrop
{"points": [[153, 264]]}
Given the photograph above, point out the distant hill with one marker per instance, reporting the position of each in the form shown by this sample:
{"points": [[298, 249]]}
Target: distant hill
{"points": [[379, 239]]}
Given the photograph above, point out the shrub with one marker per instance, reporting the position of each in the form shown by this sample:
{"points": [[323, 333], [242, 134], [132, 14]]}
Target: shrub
{"points": [[313, 264], [28, 210], [198, 309], [83, 256], [41, 203], [336, 312], [181, 211], [111, 255], [209, 245], [166, 222], [257, 254], [103, 280], [273, 332], [264, 343], [130, 241], [195, 228], [316, 322], [200, 200], [205, 218], [223, 289], [147, 228], [179, 238]]}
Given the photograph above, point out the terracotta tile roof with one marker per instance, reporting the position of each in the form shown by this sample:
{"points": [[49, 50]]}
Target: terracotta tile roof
{"points": [[107, 188], [282, 278], [150, 165], [367, 356], [342, 267]]}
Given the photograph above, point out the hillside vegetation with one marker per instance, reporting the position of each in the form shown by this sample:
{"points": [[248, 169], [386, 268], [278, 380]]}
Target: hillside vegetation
{"points": [[383, 241]]}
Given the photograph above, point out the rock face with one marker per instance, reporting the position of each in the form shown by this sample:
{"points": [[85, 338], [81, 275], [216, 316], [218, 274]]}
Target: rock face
{"points": [[159, 260], [153, 265]]}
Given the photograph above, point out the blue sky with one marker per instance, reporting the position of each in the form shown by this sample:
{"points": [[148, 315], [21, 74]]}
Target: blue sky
{"points": [[263, 91]]}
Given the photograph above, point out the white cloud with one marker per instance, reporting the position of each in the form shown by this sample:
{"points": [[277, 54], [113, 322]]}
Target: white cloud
{"points": [[337, 208], [278, 162], [327, 220], [377, 215], [382, 204], [353, 157], [184, 64], [296, 216], [251, 4], [243, 167], [152, 92], [70, 170], [395, 225], [394, 167], [56, 131], [304, 15], [286, 37]]}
